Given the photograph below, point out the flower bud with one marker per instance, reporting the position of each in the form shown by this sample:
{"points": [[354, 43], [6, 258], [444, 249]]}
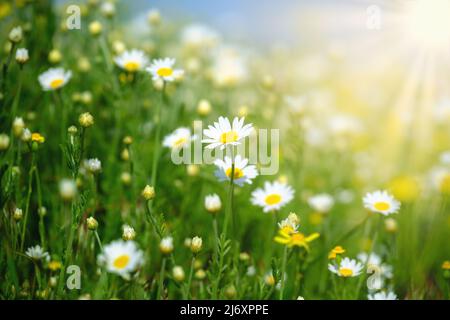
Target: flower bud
{"points": [[166, 245], [128, 233], [178, 273], [154, 17], [22, 56], [55, 56], [42, 211], [196, 244], [92, 224], [18, 214], [67, 189], [4, 141], [213, 203], [95, 28], [204, 107], [18, 126], [16, 35], [148, 193], [86, 120]]}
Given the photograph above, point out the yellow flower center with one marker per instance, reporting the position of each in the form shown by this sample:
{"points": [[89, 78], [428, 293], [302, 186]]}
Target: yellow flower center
{"points": [[179, 143], [56, 83], [298, 239], [121, 261], [230, 136], [164, 72], [238, 173], [132, 66], [345, 272], [382, 206], [272, 199]]}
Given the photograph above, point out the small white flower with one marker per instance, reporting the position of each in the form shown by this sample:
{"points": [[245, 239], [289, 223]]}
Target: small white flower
{"points": [[22, 55], [26, 135], [381, 202], [166, 245], [94, 165], [178, 139], [132, 61], [54, 78], [223, 133], [251, 271], [67, 189], [382, 295], [347, 268], [243, 173], [321, 202], [108, 9], [163, 69], [121, 257], [37, 253], [273, 196], [213, 203]]}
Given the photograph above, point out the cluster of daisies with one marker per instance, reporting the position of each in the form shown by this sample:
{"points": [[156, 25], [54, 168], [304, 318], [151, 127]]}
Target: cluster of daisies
{"points": [[131, 61]]}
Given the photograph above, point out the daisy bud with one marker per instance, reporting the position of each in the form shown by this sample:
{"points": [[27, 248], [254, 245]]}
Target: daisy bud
{"points": [[187, 242], [86, 120], [178, 273], [204, 107], [192, 170], [91, 223], [125, 177], [293, 218], [86, 97], [53, 282], [4, 141], [95, 28], [128, 140], [158, 84], [16, 35], [67, 189], [148, 193], [269, 279], [390, 225], [196, 244], [84, 65], [94, 166], [213, 203], [108, 9], [154, 17], [128, 233], [118, 47], [125, 155], [230, 292], [244, 256], [18, 126], [42, 211], [166, 245], [22, 56], [26, 135], [55, 56], [18, 214], [72, 130], [200, 274]]}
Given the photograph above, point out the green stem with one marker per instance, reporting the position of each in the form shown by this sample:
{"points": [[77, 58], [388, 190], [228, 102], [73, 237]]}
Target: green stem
{"points": [[27, 206], [283, 272], [98, 240], [161, 278], [191, 273]]}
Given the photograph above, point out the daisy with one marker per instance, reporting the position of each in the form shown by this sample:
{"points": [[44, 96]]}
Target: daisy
{"points": [[132, 61], [163, 69], [54, 78], [346, 268], [321, 202], [375, 264], [213, 203], [37, 253], [121, 257], [243, 173], [381, 202], [382, 295], [178, 139], [224, 133], [273, 196]]}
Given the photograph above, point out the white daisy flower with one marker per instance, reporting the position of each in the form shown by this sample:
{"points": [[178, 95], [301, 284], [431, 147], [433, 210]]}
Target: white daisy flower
{"points": [[54, 78], [321, 202], [178, 139], [94, 165], [162, 69], [37, 253], [224, 133], [382, 295], [121, 257], [213, 203], [132, 61], [243, 173], [273, 196], [381, 202], [347, 268]]}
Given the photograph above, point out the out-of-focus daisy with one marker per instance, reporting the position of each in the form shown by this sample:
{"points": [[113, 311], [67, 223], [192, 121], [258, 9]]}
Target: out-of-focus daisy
{"points": [[381, 202], [243, 173], [37, 253], [346, 268], [223, 133], [178, 139], [132, 61], [273, 196], [94, 165], [229, 68], [213, 203], [54, 78], [166, 245], [197, 37], [382, 295], [162, 69], [121, 257], [375, 264], [321, 203]]}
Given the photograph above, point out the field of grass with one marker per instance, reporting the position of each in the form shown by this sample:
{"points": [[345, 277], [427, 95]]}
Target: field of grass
{"points": [[93, 206]]}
